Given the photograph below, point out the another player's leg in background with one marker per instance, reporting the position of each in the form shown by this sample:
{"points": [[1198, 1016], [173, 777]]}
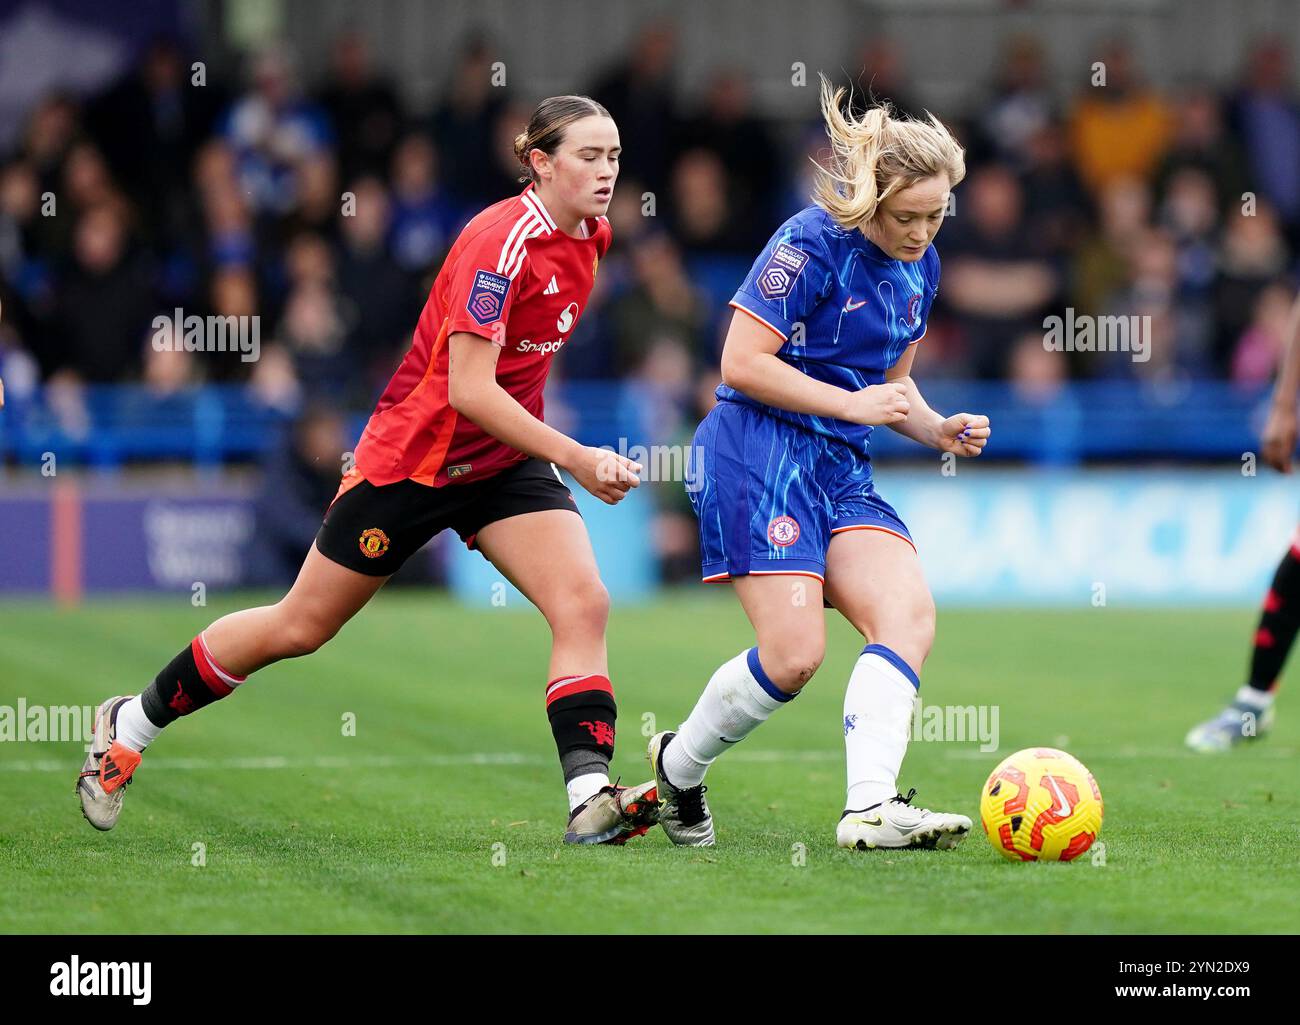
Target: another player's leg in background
{"points": [[323, 598], [790, 627], [874, 579], [548, 556], [1250, 713]]}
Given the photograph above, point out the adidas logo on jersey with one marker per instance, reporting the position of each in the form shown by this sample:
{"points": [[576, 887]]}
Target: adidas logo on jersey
{"points": [[552, 288]]}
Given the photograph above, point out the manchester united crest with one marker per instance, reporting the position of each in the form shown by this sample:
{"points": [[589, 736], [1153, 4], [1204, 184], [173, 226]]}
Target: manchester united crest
{"points": [[374, 542]]}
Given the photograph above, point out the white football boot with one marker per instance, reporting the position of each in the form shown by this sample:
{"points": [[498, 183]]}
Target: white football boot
{"points": [[895, 823], [108, 768], [683, 812], [614, 815], [1236, 724]]}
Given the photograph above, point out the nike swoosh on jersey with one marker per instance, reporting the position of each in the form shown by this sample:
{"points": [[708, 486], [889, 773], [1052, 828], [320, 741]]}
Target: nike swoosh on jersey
{"points": [[850, 305]]}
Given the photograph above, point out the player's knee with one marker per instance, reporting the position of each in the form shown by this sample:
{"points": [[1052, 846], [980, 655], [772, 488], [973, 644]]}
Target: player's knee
{"points": [[911, 630], [583, 608], [923, 625], [792, 664], [302, 635], [908, 629]]}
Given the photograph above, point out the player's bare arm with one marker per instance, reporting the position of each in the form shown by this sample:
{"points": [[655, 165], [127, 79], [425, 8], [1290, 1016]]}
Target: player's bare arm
{"points": [[474, 392], [1277, 443], [750, 365], [963, 434]]}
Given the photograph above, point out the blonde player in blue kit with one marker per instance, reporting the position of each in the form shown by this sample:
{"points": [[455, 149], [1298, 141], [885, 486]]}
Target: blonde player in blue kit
{"points": [[819, 352]]}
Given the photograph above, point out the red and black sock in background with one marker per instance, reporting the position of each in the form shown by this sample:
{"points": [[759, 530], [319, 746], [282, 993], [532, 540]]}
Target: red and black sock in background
{"points": [[582, 714], [188, 682], [1277, 624]]}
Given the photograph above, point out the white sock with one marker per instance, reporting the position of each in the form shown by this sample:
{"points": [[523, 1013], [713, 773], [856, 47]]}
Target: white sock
{"points": [[1253, 696], [135, 729], [737, 698], [877, 719], [582, 787]]}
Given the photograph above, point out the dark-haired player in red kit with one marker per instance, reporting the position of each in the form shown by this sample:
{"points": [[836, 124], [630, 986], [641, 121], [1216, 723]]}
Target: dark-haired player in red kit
{"points": [[457, 440]]}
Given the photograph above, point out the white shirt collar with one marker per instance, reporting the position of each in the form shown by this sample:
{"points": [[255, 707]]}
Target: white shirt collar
{"points": [[534, 202]]}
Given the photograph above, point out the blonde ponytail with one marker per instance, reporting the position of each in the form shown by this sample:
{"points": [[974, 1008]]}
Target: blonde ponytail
{"points": [[876, 155]]}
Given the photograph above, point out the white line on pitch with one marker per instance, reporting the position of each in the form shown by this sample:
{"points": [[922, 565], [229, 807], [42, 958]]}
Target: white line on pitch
{"points": [[383, 761], [319, 762], [517, 758]]}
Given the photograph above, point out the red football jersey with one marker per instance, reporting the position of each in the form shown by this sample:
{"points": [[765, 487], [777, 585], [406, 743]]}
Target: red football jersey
{"points": [[512, 277]]}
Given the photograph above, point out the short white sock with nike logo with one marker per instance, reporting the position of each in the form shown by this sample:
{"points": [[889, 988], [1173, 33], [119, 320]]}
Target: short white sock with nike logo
{"points": [[737, 698], [877, 720]]}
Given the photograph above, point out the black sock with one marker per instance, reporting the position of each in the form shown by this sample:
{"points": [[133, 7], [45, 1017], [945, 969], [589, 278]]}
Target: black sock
{"points": [[582, 714], [187, 683], [1278, 624]]}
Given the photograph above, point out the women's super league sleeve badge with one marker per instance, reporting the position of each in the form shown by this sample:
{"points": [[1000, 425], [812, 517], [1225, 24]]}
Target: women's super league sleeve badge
{"points": [[374, 542], [487, 296], [779, 273]]}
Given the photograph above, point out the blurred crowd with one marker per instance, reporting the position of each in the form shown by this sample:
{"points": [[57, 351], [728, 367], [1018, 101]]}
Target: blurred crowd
{"points": [[326, 208], [327, 211]]}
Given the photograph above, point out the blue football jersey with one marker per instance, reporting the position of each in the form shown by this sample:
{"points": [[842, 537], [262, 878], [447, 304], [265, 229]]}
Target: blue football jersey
{"points": [[846, 310]]}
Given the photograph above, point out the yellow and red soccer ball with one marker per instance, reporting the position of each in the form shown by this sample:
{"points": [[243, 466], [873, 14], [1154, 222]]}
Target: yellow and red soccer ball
{"points": [[1041, 804]]}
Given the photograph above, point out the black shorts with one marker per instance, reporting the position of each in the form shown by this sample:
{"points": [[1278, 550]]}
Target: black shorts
{"points": [[373, 530]]}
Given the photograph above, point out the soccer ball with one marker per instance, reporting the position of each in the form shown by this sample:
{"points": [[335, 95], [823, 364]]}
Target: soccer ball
{"points": [[1041, 804]]}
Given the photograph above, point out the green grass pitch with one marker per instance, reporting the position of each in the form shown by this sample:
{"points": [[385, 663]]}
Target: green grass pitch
{"points": [[444, 812]]}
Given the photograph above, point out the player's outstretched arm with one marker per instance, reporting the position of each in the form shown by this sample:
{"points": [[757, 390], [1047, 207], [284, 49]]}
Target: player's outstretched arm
{"points": [[1277, 443], [473, 391], [963, 434], [750, 365]]}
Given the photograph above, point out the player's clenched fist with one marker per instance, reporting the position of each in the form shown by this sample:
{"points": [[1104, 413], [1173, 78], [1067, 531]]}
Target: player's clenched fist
{"points": [[606, 474], [879, 404], [1277, 444], [964, 434]]}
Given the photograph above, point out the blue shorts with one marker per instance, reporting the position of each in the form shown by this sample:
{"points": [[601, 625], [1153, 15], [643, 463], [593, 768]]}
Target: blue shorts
{"points": [[770, 495]]}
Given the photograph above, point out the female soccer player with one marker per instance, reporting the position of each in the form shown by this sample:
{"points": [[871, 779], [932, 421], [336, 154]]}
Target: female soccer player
{"points": [[819, 352], [457, 440], [1250, 714]]}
